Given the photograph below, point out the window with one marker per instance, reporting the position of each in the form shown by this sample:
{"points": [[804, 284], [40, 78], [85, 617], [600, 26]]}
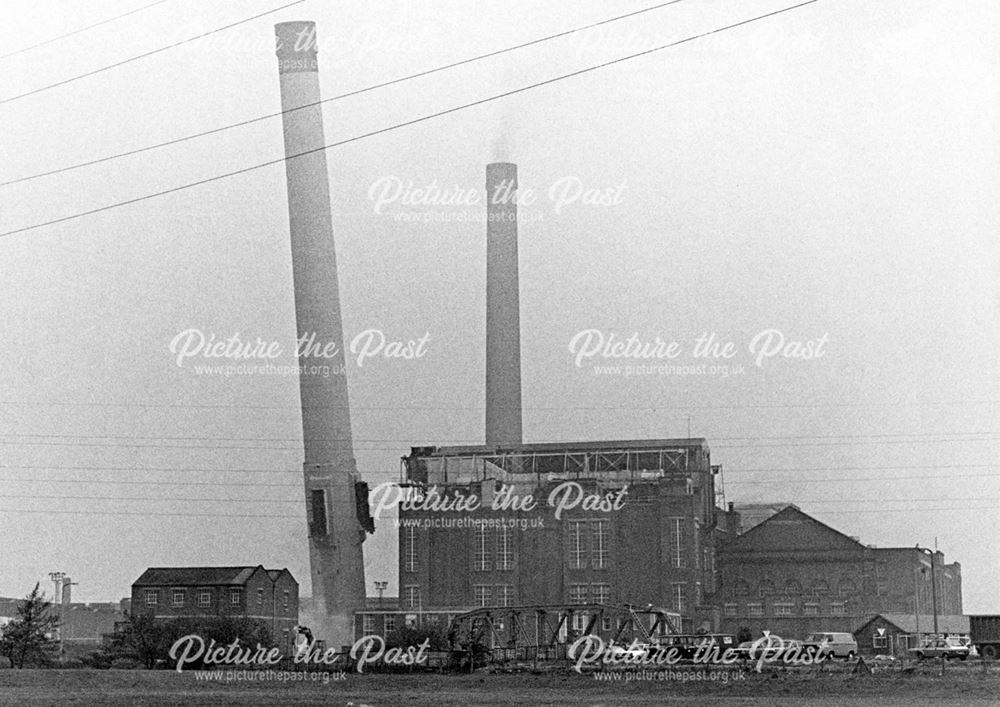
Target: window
{"points": [[205, 598], [880, 641], [820, 588], [766, 588], [729, 609], [177, 597], [578, 594], [810, 608], [601, 593], [152, 597], [784, 608], [741, 588], [755, 609], [580, 622], [260, 598], [599, 549], [577, 545], [607, 623], [368, 624], [679, 592], [409, 549], [235, 596], [389, 623], [838, 608], [411, 596], [505, 594], [505, 549], [846, 588], [317, 503], [285, 601], [481, 594], [481, 556], [677, 543], [793, 588]]}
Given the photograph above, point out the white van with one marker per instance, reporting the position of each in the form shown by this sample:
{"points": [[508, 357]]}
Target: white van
{"points": [[834, 645]]}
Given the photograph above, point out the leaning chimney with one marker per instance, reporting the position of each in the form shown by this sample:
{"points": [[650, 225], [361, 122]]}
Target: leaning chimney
{"points": [[331, 479], [503, 319]]}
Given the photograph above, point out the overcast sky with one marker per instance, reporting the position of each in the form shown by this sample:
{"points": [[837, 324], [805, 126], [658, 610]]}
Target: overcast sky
{"points": [[829, 173]]}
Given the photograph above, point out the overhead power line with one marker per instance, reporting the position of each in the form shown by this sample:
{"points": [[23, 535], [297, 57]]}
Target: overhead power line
{"points": [[145, 54], [462, 408], [404, 124], [923, 436], [82, 29], [341, 96], [146, 514]]}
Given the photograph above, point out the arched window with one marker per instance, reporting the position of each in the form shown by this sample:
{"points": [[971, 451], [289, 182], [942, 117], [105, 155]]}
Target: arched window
{"points": [[766, 587]]}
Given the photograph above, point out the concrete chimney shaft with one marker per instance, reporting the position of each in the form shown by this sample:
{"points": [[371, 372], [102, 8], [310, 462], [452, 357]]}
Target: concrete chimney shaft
{"points": [[503, 318], [335, 534]]}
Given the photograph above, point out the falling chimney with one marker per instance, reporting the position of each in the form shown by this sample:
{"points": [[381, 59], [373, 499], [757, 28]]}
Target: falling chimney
{"points": [[331, 479], [503, 319]]}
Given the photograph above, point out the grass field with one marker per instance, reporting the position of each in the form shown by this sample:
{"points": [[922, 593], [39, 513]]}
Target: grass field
{"points": [[960, 686]]}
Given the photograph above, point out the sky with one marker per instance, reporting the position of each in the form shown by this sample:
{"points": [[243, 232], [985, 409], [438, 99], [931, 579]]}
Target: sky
{"points": [[827, 175]]}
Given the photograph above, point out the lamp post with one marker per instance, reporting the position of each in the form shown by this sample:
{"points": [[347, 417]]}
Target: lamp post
{"points": [[380, 587], [57, 579]]}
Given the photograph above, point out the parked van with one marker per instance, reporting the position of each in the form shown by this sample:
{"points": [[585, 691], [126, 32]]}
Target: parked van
{"points": [[835, 645]]}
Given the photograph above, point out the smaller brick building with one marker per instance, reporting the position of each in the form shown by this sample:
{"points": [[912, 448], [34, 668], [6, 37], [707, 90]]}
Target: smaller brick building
{"points": [[895, 634], [268, 596]]}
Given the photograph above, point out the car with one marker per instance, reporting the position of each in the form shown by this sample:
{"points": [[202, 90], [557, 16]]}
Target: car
{"points": [[630, 652], [947, 647], [832, 644]]}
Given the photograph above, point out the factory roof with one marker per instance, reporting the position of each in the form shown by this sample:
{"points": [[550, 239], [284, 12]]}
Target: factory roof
{"points": [[201, 576], [542, 447]]}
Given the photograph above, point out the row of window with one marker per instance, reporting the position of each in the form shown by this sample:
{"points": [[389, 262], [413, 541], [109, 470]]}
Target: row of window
{"points": [[493, 594], [793, 587], [368, 624], [588, 543], [779, 608], [493, 550], [589, 593], [204, 597], [587, 546]]}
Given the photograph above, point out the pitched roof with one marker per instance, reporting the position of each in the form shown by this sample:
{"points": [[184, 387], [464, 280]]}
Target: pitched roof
{"points": [[202, 576], [809, 534], [908, 623]]}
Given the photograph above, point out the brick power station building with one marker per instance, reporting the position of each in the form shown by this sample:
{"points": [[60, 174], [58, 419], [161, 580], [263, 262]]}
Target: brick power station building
{"points": [[792, 575], [657, 547]]}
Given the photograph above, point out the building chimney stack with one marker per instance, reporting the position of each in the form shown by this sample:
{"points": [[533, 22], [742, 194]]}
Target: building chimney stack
{"points": [[331, 480], [503, 319]]}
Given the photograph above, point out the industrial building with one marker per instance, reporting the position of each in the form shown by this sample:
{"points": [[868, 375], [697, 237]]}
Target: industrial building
{"points": [[657, 548], [268, 596], [792, 575]]}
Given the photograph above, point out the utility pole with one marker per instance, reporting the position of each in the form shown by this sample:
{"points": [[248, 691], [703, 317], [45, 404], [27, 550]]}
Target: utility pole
{"points": [[931, 553]]}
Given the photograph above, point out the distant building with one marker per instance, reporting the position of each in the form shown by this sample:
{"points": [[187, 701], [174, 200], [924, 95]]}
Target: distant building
{"points": [[658, 548], [268, 596], [792, 575]]}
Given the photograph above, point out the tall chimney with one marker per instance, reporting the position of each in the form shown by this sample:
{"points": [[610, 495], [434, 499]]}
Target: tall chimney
{"points": [[503, 319], [335, 532]]}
